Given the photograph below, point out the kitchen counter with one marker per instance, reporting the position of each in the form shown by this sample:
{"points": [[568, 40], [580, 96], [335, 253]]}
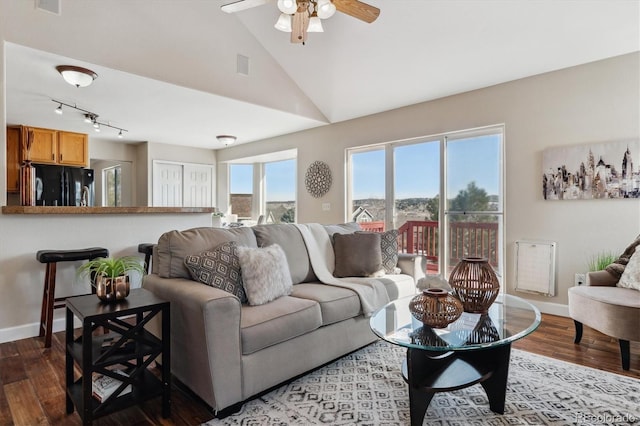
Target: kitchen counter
{"points": [[102, 210]]}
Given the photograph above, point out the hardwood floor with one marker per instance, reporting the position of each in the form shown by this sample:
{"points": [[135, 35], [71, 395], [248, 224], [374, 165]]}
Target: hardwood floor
{"points": [[32, 378]]}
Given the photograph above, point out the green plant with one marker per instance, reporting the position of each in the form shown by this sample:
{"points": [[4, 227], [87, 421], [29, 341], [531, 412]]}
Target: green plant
{"points": [[111, 267], [601, 260], [217, 214]]}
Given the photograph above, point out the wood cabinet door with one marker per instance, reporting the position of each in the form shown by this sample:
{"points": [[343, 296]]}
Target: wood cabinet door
{"points": [[73, 149], [13, 158], [44, 147]]}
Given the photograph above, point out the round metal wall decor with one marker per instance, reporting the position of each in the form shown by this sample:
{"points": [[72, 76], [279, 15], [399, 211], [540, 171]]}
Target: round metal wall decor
{"points": [[318, 179]]}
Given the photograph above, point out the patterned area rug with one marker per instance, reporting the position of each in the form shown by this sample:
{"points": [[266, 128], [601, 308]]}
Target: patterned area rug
{"points": [[366, 388]]}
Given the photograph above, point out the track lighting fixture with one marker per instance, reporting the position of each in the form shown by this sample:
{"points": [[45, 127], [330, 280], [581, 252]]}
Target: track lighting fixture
{"points": [[90, 118]]}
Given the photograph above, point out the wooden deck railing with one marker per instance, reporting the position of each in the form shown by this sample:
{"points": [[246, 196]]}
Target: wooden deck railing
{"points": [[466, 239]]}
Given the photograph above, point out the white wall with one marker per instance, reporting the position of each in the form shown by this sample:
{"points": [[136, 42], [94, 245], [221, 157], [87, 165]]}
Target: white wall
{"points": [[596, 102]]}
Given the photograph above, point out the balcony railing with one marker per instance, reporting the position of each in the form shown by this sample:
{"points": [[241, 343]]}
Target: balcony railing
{"points": [[479, 239]]}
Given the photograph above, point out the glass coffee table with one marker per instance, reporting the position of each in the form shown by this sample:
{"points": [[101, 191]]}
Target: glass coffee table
{"points": [[473, 349]]}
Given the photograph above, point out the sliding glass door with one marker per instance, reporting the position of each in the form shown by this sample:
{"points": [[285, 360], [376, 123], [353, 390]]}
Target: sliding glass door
{"points": [[443, 194]]}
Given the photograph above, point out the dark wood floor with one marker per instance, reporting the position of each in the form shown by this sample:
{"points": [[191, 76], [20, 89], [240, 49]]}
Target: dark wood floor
{"points": [[32, 378]]}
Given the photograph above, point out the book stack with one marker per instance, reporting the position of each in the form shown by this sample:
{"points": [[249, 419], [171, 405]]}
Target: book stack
{"points": [[103, 386]]}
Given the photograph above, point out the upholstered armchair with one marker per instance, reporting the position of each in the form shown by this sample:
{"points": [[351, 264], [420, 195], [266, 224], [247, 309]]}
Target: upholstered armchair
{"points": [[608, 308]]}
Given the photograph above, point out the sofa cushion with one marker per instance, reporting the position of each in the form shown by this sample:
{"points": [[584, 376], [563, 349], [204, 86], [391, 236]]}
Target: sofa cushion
{"points": [[265, 273], [336, 303], [389, 250], [357, 255], [277, 321], [343, 228], [219, 268], [398, 285], [174, 246], [631, 275], [289, 238]]}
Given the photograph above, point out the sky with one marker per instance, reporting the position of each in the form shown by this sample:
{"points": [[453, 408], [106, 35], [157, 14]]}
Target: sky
{"points": [[417, 171], [417, 168]]}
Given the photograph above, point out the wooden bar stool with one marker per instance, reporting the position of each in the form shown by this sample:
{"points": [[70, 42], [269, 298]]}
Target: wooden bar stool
{"points": [[147, 250], [49, 301]]}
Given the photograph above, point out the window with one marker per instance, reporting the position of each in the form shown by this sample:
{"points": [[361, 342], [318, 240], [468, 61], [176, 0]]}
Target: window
{"points": [[241, 190], [443, 194], [263, 188], [280, 191], [112, 187]]}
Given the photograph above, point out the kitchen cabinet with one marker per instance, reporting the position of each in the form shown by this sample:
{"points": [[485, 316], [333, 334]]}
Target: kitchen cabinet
{"points": [[13, 158], [44, 145], [73, 149], [48, 146]]}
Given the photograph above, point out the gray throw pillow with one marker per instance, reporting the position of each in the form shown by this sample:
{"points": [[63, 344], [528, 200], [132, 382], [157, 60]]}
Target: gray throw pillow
{"points": [[265, 273], [389, 249], [219, 268], [357, 255]]}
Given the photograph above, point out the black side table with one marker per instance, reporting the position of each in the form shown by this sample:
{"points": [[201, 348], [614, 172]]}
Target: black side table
{"points": [[127, 347]]}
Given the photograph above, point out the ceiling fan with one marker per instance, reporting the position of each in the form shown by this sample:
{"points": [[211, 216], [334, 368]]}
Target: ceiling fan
{"points": [[300, 17]]}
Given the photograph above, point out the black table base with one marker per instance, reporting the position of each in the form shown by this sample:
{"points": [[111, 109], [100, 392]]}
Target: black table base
{"points": [[428, 373]]}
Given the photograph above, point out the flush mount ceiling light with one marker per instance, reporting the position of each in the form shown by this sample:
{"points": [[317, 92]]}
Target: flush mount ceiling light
{"points": [[226, 139], [300, 17], [77, 76]]}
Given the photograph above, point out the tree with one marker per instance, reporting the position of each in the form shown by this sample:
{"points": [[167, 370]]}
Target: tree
{"points": [[470, 199], [433, 207]]}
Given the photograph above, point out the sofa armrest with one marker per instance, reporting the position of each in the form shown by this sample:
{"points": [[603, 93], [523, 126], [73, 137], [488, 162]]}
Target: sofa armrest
{"points": [[601, 278], [412, 264], [205, 338]]}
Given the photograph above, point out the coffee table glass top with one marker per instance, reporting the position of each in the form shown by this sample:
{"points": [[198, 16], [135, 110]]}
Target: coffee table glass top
{"points": [[509, 318]]}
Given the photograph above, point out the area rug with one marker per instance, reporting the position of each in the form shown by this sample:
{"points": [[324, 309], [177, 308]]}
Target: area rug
{"points": [[366, 388]]}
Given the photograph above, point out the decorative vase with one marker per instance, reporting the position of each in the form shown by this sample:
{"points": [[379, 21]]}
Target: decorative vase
{"points": [[435, 307], [475, 283], [216, 221], [27, 184], [112, 289]]}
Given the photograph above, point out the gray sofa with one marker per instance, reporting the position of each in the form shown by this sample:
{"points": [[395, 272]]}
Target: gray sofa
{"points": [[226, 351]]}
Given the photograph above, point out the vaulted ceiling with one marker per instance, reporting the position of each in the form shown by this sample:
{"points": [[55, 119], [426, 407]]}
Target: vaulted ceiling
{"points": [[168, 69]]}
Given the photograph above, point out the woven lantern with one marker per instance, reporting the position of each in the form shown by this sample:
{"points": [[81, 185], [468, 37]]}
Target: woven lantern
{"points": [[475, 283], [435, 307]]}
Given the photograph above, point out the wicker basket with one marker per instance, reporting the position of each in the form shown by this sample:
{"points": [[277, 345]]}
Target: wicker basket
{"points": [[435, 307], [475, 284]]}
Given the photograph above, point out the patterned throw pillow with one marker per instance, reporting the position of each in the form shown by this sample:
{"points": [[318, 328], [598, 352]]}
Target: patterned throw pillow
{"points": [[631, 276], [389, 247], [219, 268]]}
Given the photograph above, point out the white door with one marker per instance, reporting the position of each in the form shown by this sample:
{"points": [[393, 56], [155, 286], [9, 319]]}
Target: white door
{"points": [[167, 184], [198, 185]]}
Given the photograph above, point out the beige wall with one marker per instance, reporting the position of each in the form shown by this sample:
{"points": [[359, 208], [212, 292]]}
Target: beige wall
{"points": [[596, 102]]}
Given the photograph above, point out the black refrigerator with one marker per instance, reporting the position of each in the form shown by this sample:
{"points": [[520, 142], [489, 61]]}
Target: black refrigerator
{"points": [[64, 186]]}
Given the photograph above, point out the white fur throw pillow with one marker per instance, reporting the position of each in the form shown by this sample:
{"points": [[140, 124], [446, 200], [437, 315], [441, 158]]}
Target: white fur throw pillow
{"points": [[631, 275], [265, 273]]}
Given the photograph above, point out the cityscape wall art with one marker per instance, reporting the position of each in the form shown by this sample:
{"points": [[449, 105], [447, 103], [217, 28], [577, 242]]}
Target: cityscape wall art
{"points": [[608, 170]]}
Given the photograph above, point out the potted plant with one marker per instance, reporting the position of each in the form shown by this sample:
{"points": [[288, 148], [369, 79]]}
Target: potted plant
{"points": [[216, 219], [110, 275], [601, 260]]}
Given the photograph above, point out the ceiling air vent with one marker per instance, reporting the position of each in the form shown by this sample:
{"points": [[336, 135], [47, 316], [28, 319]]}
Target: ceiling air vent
{"points": [[52, 6]]}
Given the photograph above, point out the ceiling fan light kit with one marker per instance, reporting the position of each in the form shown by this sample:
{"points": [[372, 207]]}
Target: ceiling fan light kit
{"points": [[300, 17]]}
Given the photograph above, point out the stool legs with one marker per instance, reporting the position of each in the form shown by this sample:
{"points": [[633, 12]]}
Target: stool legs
{"points": [[48, 299]]}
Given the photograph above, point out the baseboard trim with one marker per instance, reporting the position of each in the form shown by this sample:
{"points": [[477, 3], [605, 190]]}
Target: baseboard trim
{"points": [[32, 330], [551, 308]]}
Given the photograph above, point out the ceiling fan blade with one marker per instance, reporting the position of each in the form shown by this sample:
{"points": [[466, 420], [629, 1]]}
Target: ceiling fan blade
{"points": [[300, 23], [363, 11], [239, 5]]}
